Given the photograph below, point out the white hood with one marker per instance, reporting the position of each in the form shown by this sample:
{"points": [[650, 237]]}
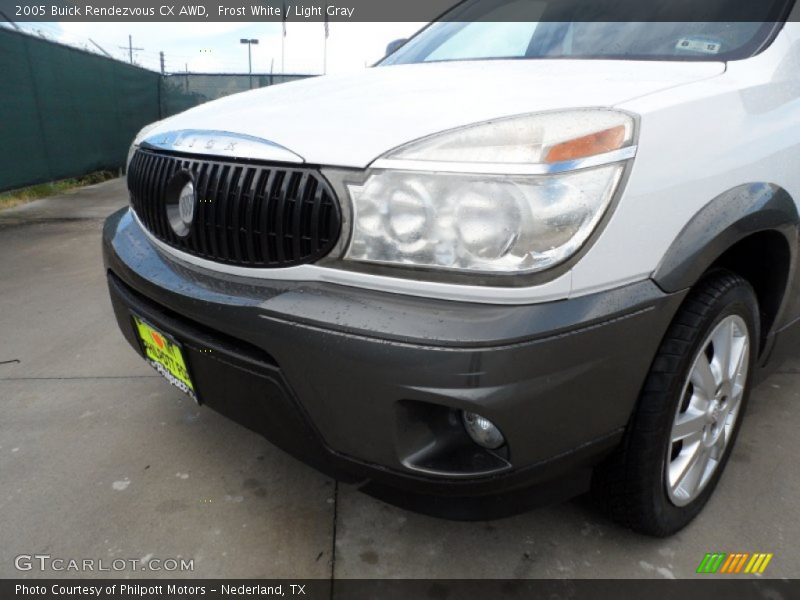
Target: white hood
{"points": [[350, 120]]}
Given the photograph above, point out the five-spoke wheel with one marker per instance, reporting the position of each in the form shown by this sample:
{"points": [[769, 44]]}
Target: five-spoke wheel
{"points": [[707, 413]]}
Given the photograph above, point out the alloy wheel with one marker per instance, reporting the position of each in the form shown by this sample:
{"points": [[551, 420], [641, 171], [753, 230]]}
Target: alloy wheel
{"points": [[706, 416]]}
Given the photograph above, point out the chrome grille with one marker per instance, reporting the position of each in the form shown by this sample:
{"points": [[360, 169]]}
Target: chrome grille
{"points": [[247, 214]]}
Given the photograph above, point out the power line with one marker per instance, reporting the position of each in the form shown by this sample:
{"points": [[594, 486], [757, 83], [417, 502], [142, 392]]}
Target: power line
{"points": [[99, 47], [2, 14]]}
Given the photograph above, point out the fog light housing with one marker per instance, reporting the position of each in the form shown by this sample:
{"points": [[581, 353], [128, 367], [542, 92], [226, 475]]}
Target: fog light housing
{"points": [[482, 431]]}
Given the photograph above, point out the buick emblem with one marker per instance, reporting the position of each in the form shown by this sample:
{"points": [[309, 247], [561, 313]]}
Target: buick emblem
{"points": [[180, 199], [186, 203]]}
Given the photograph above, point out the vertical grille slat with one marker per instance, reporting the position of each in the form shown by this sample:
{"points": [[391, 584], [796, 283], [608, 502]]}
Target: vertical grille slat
{"points": [[192, 240], [270, 222], [147, 173], [200, 225], [283, 216], [232, 198], [170, 168], [212, 200], [161, 182], [297, 225], [254, 210], [315, 210], [152, 191], [140, 178], [241, 207], [247, 214], [264, 218], [133, 180], [220, 208]]}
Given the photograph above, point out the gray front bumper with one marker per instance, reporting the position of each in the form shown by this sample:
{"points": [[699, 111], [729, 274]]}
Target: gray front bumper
{"points": [[380, 376]]}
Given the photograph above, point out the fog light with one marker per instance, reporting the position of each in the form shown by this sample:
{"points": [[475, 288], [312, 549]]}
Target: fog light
{"points": [[482, 431]]}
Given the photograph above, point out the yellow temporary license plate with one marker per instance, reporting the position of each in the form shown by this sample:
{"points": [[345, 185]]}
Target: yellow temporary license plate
{"points": [[165, 355]]}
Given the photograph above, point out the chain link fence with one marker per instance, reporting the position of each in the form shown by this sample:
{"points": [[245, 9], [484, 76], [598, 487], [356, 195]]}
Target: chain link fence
{"points": [[181, 91]]}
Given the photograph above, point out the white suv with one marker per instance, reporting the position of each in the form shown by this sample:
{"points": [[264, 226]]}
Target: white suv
{"points": [[513, 260]]}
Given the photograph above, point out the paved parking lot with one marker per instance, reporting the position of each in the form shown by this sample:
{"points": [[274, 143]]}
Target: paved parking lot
{"points": [[100, 458]]}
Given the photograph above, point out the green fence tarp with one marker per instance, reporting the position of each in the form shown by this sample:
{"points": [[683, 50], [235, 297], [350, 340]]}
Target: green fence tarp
{"points": [[65, 112]]}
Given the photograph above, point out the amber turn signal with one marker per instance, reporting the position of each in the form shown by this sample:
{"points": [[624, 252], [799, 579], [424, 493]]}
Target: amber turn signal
{"points": [[588, 145]]}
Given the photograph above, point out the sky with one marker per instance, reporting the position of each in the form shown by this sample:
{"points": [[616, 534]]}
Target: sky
{"points": [[215, 47]]}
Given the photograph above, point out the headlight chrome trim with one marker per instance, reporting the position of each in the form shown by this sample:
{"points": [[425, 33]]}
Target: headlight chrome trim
{"points": [[503, 168]]}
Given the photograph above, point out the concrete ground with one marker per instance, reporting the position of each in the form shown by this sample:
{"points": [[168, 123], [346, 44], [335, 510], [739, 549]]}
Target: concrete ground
{"points": [[100, 458]]}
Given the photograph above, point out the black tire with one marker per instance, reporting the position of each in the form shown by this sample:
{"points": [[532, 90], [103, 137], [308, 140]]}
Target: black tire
{"points": [[630, 485]]}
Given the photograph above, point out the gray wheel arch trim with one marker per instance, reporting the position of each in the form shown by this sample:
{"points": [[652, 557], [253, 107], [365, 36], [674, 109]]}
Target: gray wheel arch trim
{"points": [[727, 219]]}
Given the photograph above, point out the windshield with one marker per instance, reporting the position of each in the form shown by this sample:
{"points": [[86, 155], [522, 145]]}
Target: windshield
{"points": [[493, 32]]}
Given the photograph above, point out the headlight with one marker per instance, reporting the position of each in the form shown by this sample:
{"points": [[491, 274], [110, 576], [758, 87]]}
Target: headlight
{"points": [[512, 196]]}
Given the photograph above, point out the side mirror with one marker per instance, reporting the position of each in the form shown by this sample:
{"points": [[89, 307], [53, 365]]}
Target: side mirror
{"points": [[393, 46]]}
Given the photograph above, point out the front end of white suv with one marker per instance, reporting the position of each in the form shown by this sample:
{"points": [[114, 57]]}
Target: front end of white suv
{"points": [[476, 279]]}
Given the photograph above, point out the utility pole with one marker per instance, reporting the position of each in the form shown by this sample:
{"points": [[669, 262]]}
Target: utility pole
{"points": [[325, 46], [249, 43], [285, 16], [161, 56], [130, 48]]}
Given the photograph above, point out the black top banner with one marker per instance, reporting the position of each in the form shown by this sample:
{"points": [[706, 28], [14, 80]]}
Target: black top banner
{"points": [[399, 11]]}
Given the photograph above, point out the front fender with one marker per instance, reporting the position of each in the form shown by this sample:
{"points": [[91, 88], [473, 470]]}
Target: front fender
{"points": [[727, 219]]}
